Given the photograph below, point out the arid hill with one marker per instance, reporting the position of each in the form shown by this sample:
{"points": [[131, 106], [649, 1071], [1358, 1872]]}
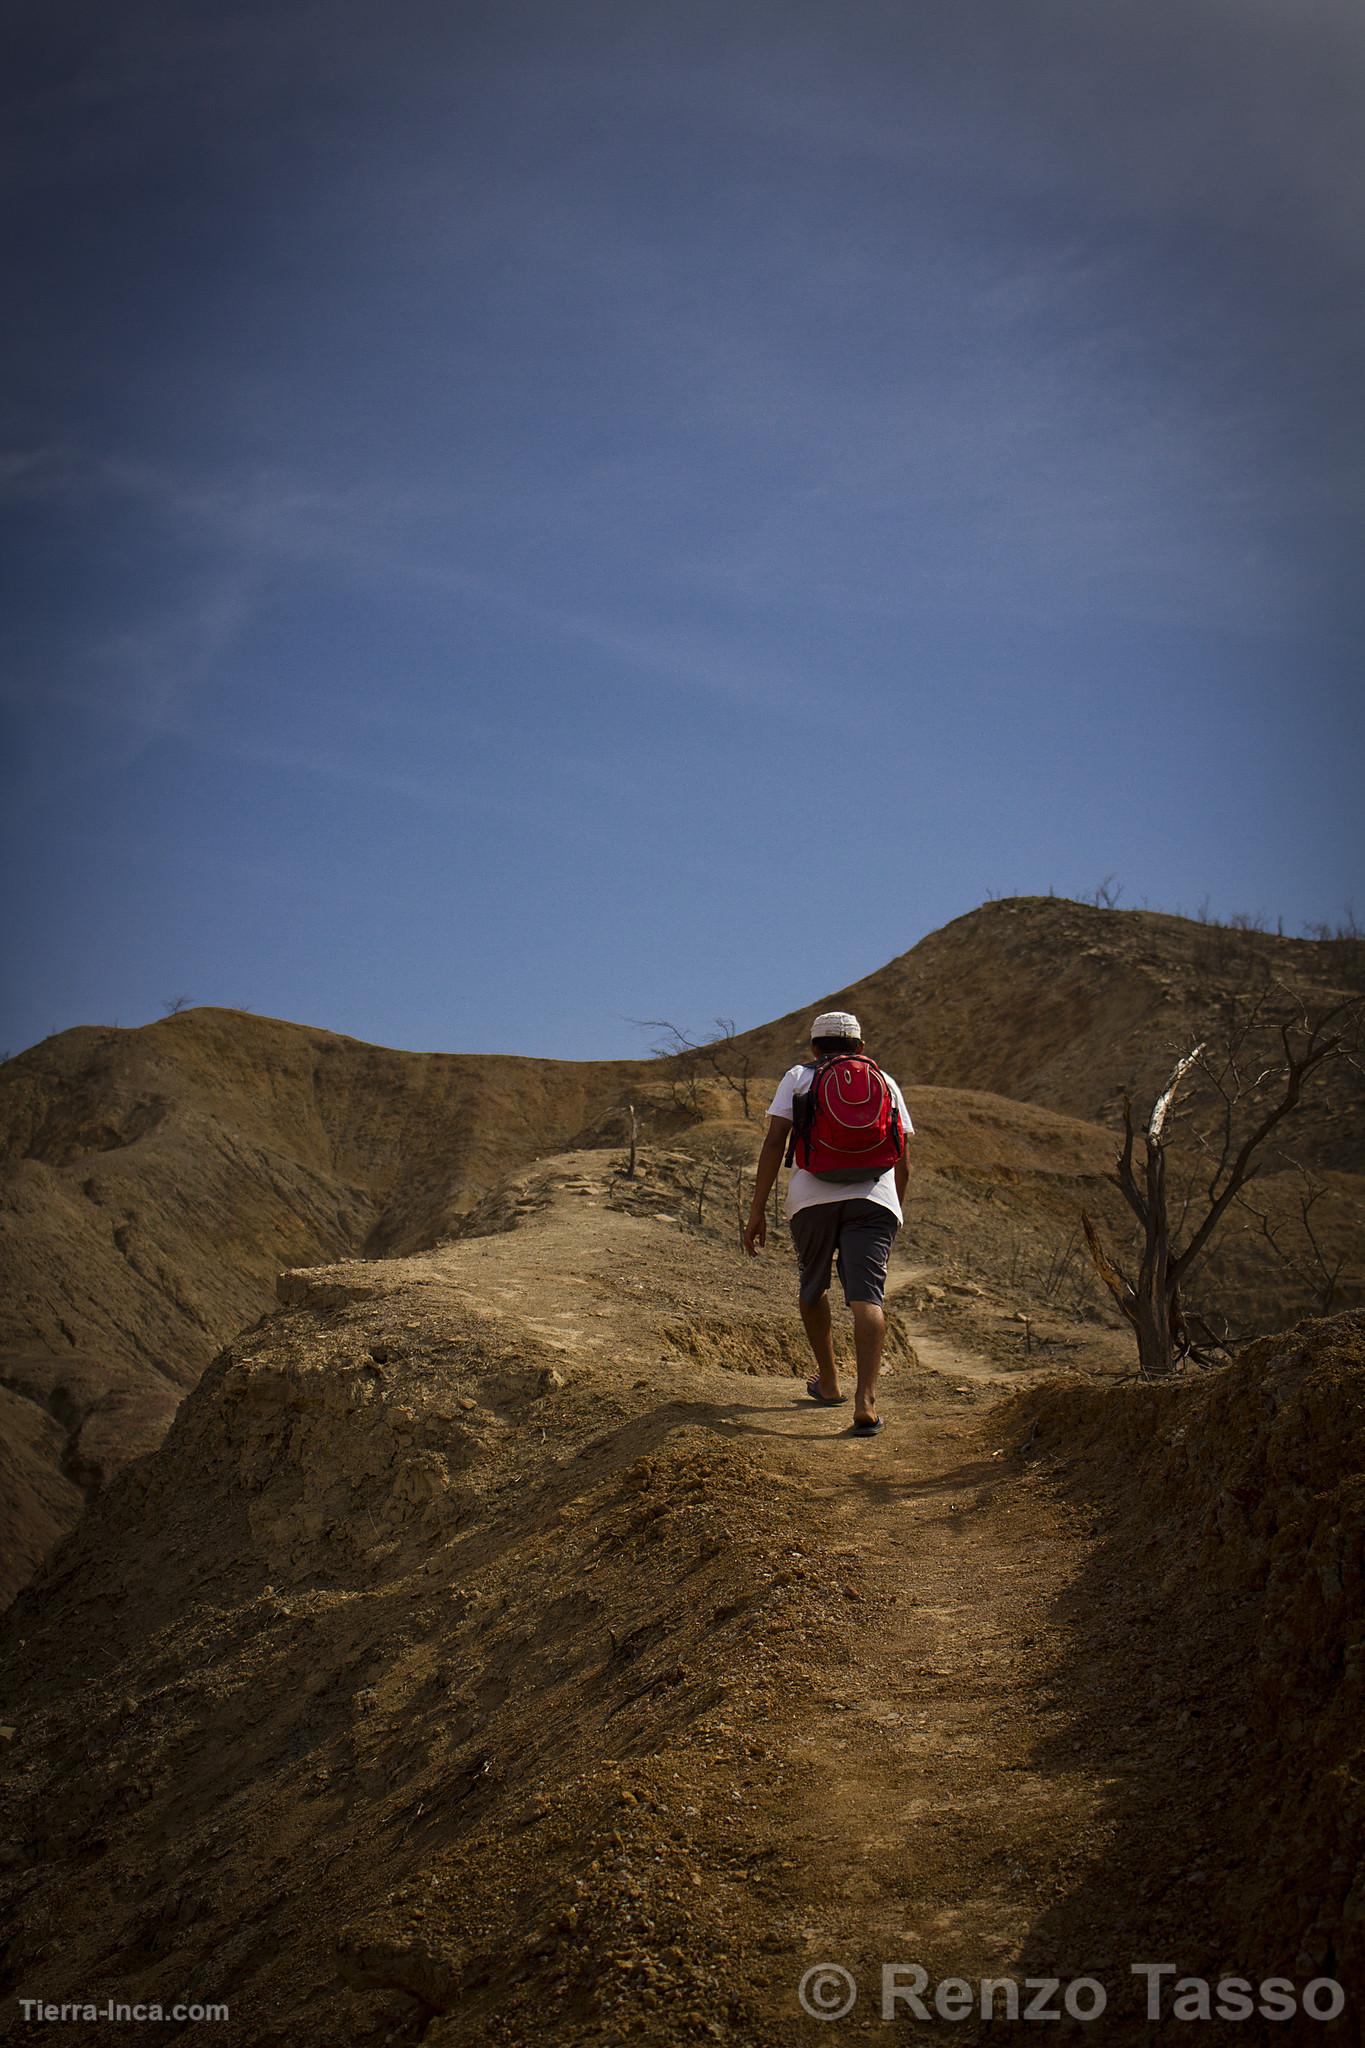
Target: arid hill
{"points": [[500, 1649], [1067, 1006], [156, 1179]]}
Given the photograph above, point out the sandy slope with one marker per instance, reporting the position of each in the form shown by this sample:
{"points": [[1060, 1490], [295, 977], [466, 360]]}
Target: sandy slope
{"points": [[1067, 1006], [154, 1180], [500, 1649]]}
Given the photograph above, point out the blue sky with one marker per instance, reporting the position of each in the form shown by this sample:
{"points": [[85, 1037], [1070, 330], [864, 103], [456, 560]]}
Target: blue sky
{"points": [[523, 516]]}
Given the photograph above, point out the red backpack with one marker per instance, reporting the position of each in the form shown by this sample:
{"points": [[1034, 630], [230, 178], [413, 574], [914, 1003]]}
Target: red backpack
{"points": [[846, 1125]]}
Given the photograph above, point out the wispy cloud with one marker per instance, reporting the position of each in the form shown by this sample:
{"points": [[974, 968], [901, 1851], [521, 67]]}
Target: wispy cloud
{"points": [[268, 518], [29, 474], [432, 789], [808, 418], [126, 689]]}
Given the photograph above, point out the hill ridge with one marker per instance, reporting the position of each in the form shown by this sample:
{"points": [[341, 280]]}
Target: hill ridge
{"points": [[1099, 999], [155, 1178], [454, 1673]]}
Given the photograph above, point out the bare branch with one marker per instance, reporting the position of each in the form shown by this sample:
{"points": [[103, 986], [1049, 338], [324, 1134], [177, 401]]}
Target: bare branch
{"points": [[1123, 1173], [1119, 1287], [1318, 1274], [1250, 1098], [1167, 1097], [732, 1068], [1300, 1067]]}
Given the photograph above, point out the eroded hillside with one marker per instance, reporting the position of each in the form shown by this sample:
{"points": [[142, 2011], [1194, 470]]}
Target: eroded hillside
{"points": [[1068, 1006], [156, 1179], [499, 1648], [155, 1182]]}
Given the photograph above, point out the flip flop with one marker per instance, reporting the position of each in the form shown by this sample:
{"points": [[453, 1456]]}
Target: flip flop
{"points": [[862, 1427], [823, 1400]]}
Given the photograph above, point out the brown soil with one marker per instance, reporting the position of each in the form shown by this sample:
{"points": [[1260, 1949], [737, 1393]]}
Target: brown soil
{"points": [[156, 1179], [1069, 1006], [500, 1648]]}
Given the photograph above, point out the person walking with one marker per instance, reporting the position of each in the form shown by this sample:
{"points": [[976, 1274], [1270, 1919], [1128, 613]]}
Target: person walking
{"points": [[841, 1124]]}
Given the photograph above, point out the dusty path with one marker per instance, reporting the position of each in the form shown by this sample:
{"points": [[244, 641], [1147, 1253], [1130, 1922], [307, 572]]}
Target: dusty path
{"points": [[502, 1649], [955, 1360], [921, 1830], [892, 1812]]}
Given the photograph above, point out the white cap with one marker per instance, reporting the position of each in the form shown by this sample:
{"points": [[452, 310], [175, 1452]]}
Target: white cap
{"points": [[836, 1024]]}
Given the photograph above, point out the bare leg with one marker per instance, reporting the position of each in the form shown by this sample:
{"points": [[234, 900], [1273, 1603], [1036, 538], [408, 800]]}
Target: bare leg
{"points": [[820, 1333], [869, 1334]]}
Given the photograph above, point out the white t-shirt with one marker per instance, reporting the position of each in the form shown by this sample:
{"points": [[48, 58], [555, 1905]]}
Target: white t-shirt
{"points": [[804, 1189]]}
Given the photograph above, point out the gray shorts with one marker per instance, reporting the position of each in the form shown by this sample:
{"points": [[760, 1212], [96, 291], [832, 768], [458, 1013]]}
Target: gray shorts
{"points": [[858, 1233]]}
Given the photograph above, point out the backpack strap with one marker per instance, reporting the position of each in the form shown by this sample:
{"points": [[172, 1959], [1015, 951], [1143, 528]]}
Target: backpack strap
{"points": [[896, 1124], [803, 1109]]}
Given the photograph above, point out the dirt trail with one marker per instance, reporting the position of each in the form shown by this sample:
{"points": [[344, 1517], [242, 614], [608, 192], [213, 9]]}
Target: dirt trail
{"points": [[894, 1815], [955, 1360], [502, 1649]]}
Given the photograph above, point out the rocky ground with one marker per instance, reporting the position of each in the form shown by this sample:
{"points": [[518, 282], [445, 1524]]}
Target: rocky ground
{"points": [[500, 1648], [152, 1181]]}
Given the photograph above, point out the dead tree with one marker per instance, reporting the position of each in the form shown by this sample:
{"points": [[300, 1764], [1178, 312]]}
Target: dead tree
{"points": [[697, 1181], [721, 1056], [684, 1074], [729, 1063], [1317, 1272], [1169, 1248]]}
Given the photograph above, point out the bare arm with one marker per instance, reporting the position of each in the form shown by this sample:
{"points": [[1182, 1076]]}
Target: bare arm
{"points": [[769, 1162]]}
